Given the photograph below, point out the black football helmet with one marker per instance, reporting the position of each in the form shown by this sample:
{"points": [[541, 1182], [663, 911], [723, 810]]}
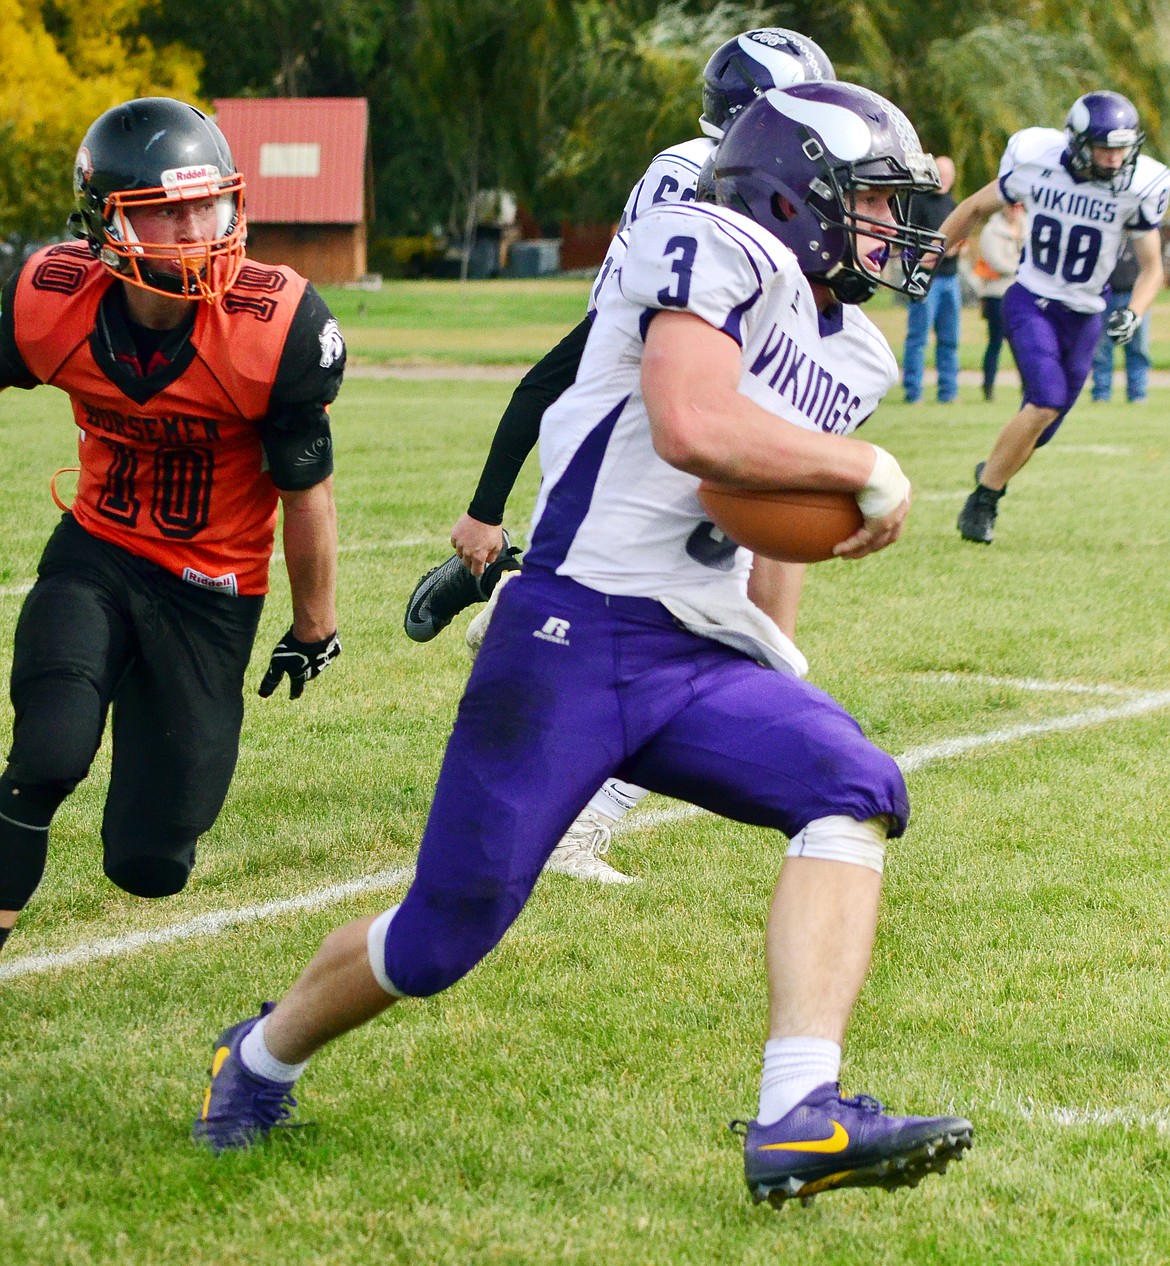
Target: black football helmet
{"points": [[150, 154], [793, 161], [751, 63]]}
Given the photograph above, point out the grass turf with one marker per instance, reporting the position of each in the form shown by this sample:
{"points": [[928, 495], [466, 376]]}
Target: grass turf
{"points": [[569, 1100]]}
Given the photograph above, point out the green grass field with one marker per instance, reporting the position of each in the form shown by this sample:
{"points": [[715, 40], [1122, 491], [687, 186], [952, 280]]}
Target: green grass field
{"points": [[568, 1102], [516, 322]]}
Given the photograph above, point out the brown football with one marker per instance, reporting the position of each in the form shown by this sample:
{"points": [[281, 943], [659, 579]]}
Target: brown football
{"points": [[789, 525]]}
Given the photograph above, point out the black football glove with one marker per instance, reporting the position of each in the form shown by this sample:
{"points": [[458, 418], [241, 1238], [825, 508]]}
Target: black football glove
{"points": [[1122, 326], [301, 661]]}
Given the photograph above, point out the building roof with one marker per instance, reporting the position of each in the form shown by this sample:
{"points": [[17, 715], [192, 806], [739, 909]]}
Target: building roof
{"points": [[303, 158]]}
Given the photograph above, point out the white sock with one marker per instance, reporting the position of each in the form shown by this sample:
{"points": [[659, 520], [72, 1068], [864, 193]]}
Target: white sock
{"points": [[257, 1058], [793, 1066], [616, 798]]}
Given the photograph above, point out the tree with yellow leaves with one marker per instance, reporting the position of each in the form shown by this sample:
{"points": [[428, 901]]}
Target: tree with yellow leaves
{"points": [[61, 65]]}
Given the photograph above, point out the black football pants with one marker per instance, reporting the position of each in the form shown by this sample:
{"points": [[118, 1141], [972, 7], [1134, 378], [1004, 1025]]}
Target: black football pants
{"points": [[104, 629]]}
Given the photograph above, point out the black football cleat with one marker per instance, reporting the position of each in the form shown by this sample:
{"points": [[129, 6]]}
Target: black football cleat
{"points": [[977, 518], [450, 588]]}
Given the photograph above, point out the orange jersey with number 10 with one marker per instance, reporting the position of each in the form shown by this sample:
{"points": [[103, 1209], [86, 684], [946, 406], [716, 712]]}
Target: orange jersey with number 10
{"points": [[179, 479]]}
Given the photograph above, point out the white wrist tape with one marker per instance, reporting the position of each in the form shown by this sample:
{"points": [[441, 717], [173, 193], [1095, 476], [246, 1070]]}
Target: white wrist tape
{"points": [[886, 488]]}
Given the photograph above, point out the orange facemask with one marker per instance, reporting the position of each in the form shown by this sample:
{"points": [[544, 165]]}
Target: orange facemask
{"points": [[204, 269]]}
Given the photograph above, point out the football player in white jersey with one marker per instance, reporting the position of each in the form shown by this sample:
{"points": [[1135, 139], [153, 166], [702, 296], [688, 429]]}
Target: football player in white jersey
{"points": [[1084, 189], [735, 74], [730, 348]]}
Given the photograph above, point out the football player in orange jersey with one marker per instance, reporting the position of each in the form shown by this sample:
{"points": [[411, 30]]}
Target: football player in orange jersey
{"points": [[199, 384]]}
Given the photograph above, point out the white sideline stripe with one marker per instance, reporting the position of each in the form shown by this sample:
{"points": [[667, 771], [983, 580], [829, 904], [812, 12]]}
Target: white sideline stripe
{"points": [[917, 757], [203, 925], [1134, 1117], [1073, 1117], [206, 924], [1034, 683], [361, 547]]}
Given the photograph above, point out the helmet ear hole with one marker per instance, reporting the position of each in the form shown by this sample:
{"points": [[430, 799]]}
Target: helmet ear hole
{"points": [[782, 209]]}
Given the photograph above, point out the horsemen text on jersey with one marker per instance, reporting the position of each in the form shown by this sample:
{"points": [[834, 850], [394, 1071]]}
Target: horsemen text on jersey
{"points": [[1074, 228], [178, 476]]}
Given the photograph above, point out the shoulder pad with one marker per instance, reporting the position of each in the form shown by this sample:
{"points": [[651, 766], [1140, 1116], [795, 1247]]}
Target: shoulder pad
{"points": [[1038, 146], [702, 259], [671, 177]]}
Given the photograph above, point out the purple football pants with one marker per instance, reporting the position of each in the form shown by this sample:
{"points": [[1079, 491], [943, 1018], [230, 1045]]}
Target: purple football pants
{"points": [[572, 686], [1053, 347]]}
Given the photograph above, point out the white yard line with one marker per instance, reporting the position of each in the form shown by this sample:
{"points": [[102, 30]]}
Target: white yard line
{"points": [[917, 757], [1034, 683], [202, 925], [1131, 1118], [914, 759], [359, 547]]}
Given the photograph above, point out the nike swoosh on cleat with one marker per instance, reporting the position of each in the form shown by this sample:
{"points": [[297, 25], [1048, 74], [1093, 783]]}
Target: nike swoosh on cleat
{"points": [[838, 1141]]}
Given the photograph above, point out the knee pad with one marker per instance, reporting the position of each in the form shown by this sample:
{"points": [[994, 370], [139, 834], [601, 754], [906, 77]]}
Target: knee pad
{"points": [[376, 949], [149, 876], [57, 732], [840, 839], [25, 814]]}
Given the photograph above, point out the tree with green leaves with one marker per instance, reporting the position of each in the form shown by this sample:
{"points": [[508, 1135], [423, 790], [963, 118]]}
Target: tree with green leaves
{"points": [[59, 71]]}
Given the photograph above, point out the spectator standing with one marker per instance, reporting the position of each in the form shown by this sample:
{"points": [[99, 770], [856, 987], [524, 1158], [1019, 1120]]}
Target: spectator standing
{"points": [[995, 269], [938, 310], [1137, 350]]}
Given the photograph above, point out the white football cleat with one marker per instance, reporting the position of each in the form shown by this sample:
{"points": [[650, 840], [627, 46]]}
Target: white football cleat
{"points": [[477, 629], [581, 850]]}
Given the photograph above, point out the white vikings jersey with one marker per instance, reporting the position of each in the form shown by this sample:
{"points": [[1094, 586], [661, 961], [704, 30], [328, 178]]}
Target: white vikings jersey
{"points": [[1074, 228], [671, 177], [611, 513]]}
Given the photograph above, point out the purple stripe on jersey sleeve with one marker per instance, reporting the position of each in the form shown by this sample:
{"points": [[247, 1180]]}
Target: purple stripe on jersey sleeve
{"points": [[569, 499], [1003, 189], [732, 327], [671, 156]]}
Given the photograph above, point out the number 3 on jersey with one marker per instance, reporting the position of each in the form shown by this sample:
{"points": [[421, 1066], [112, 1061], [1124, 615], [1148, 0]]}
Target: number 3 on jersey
{"points": [[678, 293]]}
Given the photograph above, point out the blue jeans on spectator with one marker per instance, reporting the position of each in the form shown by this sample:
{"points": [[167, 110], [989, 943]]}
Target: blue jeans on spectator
{"points": [[938, 311], [992, 308], [1137, 356]]}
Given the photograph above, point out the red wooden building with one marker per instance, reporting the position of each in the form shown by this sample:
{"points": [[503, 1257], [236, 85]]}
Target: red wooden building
{"points": [[308, 180]]}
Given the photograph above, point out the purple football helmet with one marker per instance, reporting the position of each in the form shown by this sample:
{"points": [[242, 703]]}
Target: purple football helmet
{"points": [[1110, 120], [793, 161], [751, 63]]}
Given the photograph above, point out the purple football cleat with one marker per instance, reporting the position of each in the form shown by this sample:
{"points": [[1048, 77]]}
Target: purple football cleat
{"points": [[827, 1142], [239, 1108]]}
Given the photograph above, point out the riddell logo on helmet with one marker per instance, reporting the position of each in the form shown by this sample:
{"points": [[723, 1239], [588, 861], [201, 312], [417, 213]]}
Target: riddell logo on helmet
{"points": [[179, 180]]}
